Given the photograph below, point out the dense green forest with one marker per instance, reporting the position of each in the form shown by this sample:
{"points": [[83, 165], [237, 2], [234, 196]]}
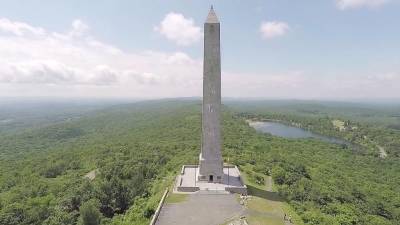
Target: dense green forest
{"points": [[135, 150]]}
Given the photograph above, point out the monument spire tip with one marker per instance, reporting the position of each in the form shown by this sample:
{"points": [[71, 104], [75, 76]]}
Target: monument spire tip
{"points": [[212, 17]]}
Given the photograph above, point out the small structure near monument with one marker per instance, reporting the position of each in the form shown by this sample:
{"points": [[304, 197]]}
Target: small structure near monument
{"points": [[211, 174]]}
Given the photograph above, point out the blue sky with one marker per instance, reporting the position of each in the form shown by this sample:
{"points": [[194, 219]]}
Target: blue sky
{"points": [[275, 49]]}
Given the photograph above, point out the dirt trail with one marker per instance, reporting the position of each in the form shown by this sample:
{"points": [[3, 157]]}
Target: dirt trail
{"points": [[268, 184]]}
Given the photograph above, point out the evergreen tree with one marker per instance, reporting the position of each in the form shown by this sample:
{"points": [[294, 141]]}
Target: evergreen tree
{"points": [[89, 213]]}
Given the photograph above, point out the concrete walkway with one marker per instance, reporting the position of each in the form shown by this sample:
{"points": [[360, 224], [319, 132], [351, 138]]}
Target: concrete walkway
{"points": [[201, 209]]}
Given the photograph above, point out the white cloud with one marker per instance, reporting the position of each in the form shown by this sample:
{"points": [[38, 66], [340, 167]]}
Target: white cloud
{"points": [[181, 30], [54, 72], [31, 55], [273, 29], [78, 28], [19, 28], [104, 75], [352, 4], [179, 58], [38, 62], [145, 78], [46, 72], [35, 60]]}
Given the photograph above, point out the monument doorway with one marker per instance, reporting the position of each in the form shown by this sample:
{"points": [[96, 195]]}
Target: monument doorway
{"points": [[211, 178]]}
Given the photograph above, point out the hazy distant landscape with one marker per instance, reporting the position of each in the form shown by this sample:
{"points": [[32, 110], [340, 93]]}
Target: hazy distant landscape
{"points": [[20, 113], [137, 148]]}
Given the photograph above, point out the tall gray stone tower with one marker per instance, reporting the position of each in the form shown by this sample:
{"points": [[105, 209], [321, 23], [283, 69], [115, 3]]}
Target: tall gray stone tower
{"points": [[211, 164]]}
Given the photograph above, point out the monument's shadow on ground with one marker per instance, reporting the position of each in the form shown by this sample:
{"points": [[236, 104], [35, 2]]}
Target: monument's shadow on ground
{"points": [[273, 196]]}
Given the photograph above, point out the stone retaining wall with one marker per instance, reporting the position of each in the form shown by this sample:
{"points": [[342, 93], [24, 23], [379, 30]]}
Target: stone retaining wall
{"points": [[238, 190], [188, 189], [187, 166]]}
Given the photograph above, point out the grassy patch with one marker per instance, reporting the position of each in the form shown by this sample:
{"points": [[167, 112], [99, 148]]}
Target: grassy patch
{"points": [[338, 124], [262, 219], [248, 176], [296, 219], [261, 205], [176, 198], [264, 207]]}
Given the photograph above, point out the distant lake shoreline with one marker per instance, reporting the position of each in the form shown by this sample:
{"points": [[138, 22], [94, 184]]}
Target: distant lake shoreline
{"points": [[279, 129]]}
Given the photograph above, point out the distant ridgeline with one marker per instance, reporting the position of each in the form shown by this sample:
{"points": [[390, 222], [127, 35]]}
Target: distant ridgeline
{"points": [[371, 127], [138, 148]]}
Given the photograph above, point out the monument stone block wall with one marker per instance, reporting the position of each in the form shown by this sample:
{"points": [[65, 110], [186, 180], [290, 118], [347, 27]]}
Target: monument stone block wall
{"points": [[210, 159]]}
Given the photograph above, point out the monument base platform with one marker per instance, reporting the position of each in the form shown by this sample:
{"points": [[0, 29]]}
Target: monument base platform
{"points": [[188, 181]]}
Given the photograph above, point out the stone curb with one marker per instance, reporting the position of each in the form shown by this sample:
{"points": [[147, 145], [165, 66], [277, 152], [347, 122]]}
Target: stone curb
{"points": [[157, 213]]}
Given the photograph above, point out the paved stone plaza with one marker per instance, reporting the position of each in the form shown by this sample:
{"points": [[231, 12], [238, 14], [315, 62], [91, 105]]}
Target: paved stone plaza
{"points": [[201, 209], [231, 178], [231, 182]]}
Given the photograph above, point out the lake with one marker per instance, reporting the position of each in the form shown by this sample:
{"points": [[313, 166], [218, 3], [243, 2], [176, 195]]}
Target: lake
{"points": [[286, 131]]}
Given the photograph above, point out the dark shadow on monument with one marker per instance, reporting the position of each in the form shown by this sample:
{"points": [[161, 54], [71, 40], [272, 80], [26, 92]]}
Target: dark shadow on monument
{"points": [[273, 196]]}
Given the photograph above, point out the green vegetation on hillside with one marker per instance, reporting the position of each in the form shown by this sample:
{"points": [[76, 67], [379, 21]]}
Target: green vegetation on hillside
{"points": [[138, 149], [133, 147], [326, 183], [176, 198]]}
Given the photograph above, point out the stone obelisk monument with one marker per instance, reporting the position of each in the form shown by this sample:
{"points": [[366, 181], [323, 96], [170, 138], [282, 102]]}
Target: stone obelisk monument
{"points": [[211, 174], [210, 159]]}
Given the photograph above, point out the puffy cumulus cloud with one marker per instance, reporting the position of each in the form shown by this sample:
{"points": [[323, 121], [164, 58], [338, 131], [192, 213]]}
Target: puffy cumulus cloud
{"points": [[273, 29], [53, 72], [46, 72], [103, 75], [19, 28], [78, 28], [353, 4], [38, 62], [145, 78], [175, 27], [179, 58]]}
